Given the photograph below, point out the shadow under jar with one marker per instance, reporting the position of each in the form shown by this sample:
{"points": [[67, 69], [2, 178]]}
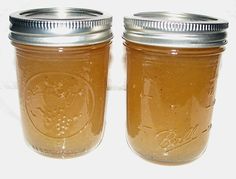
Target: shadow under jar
{"points": [[62, 61], [172, 61]]}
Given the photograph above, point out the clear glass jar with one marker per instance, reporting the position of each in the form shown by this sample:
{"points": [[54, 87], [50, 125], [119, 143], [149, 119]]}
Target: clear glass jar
{"points": [[171, 83], [62, 86]]}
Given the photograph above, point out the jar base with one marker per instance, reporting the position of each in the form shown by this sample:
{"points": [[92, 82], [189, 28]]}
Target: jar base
{"points": [[59, 154], [166, 162], [159, 161], [66, 154]]}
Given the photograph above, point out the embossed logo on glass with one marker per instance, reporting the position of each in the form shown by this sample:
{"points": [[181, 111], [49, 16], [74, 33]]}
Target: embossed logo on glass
{"points": [[59, 104], [153, 107]]}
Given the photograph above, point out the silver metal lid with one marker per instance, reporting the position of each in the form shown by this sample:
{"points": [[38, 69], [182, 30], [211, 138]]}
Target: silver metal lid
{"points": [[175, 30], [60, 27]]}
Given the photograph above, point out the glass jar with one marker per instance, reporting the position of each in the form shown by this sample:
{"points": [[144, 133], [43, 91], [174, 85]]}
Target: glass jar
{"points": [[62, 61], [172, 61]]}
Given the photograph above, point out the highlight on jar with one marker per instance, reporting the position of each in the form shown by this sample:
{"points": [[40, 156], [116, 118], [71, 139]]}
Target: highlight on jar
{"points": [[172, 61], [62, 57]]}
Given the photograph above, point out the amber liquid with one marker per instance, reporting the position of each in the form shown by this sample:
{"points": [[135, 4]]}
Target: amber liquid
{"points": [[62, 96], [170, 98]]}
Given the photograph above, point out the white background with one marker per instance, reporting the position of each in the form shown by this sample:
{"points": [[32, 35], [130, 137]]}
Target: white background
{"points": [[113, 158]]}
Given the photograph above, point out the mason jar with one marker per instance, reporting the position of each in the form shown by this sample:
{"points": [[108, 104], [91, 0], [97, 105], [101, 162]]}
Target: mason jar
{"points": [[62, 57], [172, 61]]}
